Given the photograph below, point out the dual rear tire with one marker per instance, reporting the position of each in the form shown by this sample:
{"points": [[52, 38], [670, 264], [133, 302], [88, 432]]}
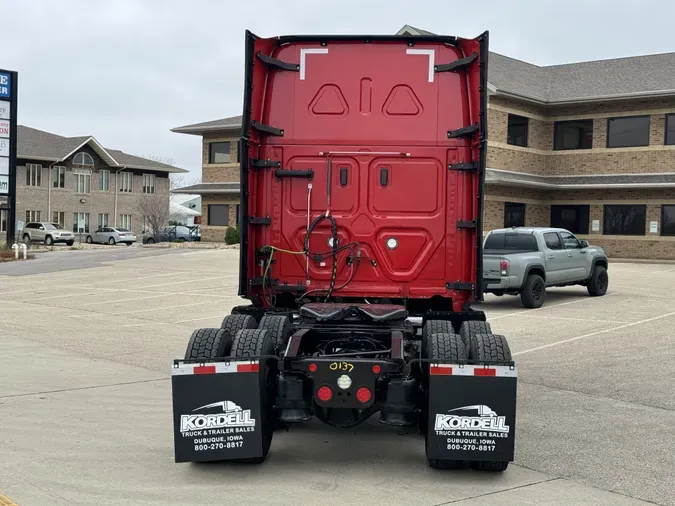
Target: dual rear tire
{"points": [[475, 342]]}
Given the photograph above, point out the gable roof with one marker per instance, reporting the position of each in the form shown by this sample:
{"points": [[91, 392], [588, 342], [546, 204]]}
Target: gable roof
{"points": [[617, 78], [37, 144], [232, 122]]}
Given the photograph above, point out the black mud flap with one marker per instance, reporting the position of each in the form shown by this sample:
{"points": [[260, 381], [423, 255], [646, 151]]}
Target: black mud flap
{"points": [[216, 410], [472, 412]]}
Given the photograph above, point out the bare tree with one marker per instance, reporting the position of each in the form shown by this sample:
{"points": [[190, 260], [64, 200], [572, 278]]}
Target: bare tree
{"points": [[155, 212]]}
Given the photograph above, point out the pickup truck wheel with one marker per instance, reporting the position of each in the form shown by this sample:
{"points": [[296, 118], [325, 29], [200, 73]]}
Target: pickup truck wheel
{"points": [[493, 347], [599, 281], [534, 292], [472, 327], [208, 343], [443, 346], [254, 343]]}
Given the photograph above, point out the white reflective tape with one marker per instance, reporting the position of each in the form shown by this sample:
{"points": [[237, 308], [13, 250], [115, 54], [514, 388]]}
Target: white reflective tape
{"points": [[303, 53], [502, 371], [183, 369], [432, 57]]}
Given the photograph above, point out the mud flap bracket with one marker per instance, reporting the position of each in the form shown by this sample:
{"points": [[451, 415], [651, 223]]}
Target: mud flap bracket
{"points": [[472, 412], [217, 412]]}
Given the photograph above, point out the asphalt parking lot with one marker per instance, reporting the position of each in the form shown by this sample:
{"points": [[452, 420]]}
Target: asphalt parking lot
{"points": [[87, 338]]}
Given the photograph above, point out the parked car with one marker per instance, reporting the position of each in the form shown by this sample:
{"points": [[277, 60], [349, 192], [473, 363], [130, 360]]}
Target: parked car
{"points": [[112, 235], [173, 233], [49, 233], [525, 261]]}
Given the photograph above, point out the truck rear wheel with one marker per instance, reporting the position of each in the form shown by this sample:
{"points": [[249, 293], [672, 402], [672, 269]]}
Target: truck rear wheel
{"points": [[534, 292], [208, 343], [279, 327], [434, 327], [493, 347], [471, 327], [444, 346], [254, 343], [233, 323]]}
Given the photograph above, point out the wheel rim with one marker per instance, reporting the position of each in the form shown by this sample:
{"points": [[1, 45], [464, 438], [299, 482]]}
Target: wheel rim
{"points": [[602, 281], [537, 291], [89, 240], [111, 241]]}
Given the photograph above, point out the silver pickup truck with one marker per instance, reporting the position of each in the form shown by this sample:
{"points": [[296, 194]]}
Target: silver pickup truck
{"points": [[524, 261]]}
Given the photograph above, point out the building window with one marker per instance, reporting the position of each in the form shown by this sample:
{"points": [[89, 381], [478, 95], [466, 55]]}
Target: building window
{"points": [[32, 216], [517, 130], [82, 183], [3, 220], [625, 220], [148, 183], [514, 214], [125, 221], [126, 182], [104, 180], [83, 159], [573, 134], [628, 132], [59, 177], [219, 152], [59, 217], [668, 220], [33, 174], [102, 220], [81, 221], [572, 218], [670, 129], [219, 215]]}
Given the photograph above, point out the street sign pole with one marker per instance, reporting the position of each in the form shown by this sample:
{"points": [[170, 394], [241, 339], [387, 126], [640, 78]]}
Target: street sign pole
{"points": [[8, 135], [11, 198]]}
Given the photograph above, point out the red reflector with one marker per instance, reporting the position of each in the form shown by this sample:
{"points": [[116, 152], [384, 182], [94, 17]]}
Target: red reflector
{"points": [[377, 369], [248, 367], [363, 395], [324, 394], [441, 371], [204, 369], [312, 367], [485, 372]]}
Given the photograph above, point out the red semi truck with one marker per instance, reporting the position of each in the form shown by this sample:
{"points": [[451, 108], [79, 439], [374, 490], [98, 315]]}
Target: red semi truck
{"points": [[362, 174]]}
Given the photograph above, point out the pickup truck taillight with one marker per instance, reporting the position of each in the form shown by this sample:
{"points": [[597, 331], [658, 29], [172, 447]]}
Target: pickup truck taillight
{"points": [[504, 266]]}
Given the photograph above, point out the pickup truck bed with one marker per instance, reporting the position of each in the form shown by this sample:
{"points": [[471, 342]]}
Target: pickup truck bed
{"points": [[524, 261]]}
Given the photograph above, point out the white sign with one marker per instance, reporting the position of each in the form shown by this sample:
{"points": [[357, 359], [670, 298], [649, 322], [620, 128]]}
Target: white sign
{"points": [[80, 223], [653, 227], [4, 128], [19, 225], [595, 225], [4, 185], [4, 166], [4, 110], [4, 147]]}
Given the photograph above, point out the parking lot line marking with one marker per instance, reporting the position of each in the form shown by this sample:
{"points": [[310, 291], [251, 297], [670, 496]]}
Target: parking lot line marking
{"points": [[169, 307], [63, 295], [591, 334], [571, 319], [197, 319], [122, 300], [490, 318]]}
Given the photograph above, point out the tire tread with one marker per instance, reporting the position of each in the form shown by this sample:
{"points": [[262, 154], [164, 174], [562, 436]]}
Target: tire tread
{"points": [[208, 343]]}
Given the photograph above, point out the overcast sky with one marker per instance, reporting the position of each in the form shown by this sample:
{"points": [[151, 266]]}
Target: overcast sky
{"points": [[126, 71]]}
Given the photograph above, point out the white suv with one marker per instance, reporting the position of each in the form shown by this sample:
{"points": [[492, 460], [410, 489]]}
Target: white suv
{"points": [[49, 233]]}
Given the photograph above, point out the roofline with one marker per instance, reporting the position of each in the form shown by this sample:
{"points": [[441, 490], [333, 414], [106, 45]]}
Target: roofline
{"points": [[41, 158], [196, 130], [591, 186], [98, 144], [586, 100], [206, 192]]}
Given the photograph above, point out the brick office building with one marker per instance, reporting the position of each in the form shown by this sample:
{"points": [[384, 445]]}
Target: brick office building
{"points": [[69, 179], [585, 146]]}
